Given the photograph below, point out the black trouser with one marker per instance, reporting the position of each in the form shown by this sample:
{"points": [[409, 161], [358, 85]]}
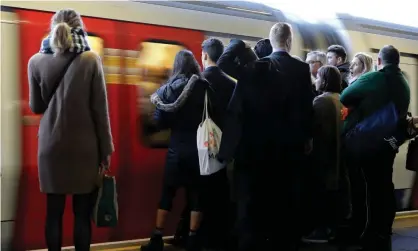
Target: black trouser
{"points": [[374, 198], [82, 208], [329, 207], [268, 202], [216, 207]]}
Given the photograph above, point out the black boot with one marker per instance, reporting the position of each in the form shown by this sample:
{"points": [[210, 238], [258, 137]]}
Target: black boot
{"points": [[155, 244], [193, 242], [181, 234]]}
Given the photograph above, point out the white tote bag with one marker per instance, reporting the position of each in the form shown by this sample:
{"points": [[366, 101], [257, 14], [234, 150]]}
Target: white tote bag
{"points": [[208, 143]]}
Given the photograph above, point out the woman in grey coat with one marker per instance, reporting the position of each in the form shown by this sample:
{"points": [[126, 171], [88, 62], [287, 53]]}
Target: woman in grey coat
{"points": [[67, 86], [329, 184]]}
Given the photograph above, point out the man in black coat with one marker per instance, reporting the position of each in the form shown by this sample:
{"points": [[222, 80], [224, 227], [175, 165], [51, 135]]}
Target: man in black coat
{"points": [[267, 131]]}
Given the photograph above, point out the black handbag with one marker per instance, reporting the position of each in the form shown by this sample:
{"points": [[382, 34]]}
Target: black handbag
{"points": [[412, 155]]}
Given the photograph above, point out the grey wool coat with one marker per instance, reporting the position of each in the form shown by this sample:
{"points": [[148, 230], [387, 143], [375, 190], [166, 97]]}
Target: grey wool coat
{"points": [[74, 133]]}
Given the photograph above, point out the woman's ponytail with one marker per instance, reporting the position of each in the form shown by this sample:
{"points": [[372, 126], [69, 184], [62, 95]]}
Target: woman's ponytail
{"points": [[61, 38]]}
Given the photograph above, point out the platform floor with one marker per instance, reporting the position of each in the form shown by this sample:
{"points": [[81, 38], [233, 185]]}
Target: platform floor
{"points": [[405, 239]]}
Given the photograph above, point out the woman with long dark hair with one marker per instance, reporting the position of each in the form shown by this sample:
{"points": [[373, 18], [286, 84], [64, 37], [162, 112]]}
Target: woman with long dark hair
{"points": [[179, 107]]}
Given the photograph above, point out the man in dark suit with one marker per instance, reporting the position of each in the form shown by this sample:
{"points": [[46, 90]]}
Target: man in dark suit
{"points": [[215, 224], [267, 131]]}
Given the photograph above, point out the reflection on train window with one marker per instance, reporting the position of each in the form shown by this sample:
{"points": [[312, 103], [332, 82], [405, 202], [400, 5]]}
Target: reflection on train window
{"points": [[155, 63]]}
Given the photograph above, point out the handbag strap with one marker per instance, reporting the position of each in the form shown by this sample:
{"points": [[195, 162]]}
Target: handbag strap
{"points": [[61, 76]]}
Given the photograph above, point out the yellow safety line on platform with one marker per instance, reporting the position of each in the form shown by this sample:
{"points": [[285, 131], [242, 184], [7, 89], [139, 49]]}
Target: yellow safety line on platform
{"points": [[401, 217], [136, 247], [123, 249]]}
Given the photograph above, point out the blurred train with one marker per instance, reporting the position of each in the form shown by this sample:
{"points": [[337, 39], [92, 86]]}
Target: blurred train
{"points": [[137, 42]]}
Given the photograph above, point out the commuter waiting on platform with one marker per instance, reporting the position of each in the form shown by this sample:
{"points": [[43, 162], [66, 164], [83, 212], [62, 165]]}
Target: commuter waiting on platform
{"points": [[271, 150], [316, 59], [179, 106], [365, 97], [263, 48], [328, 174], [337, 56], [362, 63], [67, 86]]}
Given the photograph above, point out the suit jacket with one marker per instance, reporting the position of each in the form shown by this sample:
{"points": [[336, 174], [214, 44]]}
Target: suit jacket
{"points": [[258, 127]]}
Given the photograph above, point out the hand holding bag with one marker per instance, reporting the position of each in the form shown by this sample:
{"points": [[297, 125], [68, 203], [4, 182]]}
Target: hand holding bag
{"points": [[106, 210]]}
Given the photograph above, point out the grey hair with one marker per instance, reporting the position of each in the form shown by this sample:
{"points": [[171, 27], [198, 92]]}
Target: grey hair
{"points": [[317, 56], [61, 24]]}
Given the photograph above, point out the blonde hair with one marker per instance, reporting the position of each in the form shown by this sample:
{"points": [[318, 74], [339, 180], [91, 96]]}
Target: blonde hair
{"points": [[366, 60], [61, 24], [281, 35]]}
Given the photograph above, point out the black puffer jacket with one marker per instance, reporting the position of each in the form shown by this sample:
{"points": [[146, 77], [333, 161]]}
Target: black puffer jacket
{"points": [[185, 120], [345, 74]]}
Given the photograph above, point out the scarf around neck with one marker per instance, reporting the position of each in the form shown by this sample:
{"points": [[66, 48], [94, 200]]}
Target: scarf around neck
{"points": [[79, 42]]}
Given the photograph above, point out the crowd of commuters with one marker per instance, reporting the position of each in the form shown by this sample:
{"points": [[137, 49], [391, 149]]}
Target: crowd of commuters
{"points": [[283, 147]]}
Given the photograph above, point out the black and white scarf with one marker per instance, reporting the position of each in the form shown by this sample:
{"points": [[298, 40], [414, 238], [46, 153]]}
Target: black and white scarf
{"points": [[79, 42]]}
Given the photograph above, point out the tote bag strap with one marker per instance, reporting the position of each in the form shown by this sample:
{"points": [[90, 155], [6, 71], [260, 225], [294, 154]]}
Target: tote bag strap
{"points": [[205, 114]]}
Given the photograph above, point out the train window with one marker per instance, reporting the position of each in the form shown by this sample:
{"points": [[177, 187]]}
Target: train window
{"points": [[96, 44], [155, 63]]}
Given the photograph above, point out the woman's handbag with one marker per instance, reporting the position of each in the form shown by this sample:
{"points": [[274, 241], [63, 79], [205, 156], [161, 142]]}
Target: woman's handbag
{"points": [[106, 211]]}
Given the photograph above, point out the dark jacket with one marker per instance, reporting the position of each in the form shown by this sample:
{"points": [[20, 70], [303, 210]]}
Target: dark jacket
{"points": [[327, 128], [184, 121], [372, 91], [257, 129], [220, 93], [345, 74]]}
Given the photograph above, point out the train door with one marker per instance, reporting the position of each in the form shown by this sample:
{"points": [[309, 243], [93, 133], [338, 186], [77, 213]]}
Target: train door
{"points": [[28, 232], [10, 147], [148, 54]]}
